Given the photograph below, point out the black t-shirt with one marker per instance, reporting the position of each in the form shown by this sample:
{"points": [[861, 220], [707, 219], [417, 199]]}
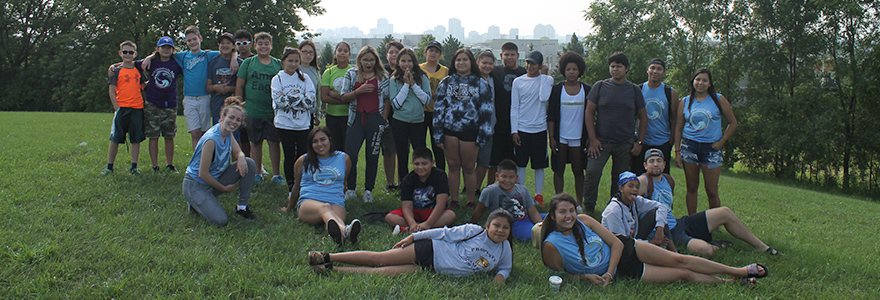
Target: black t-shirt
{"points": [[503, 78], [424, 194]]}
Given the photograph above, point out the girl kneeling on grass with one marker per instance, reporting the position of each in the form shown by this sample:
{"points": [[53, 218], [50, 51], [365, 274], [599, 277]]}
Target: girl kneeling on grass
{"points": [[318, 185], [580, 246], [458, 251], [216, 165]]}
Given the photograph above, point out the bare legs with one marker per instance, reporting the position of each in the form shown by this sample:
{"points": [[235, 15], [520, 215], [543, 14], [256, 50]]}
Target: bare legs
{"points": [[318, 213], [717, 217], [154, 151], [662, 265], [570, 154], [391, 262], [274, 155], [710, 179], [461, 157]]}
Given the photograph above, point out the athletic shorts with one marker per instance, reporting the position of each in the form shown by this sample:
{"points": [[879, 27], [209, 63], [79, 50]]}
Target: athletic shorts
{"points": [[424, 253], [502, 148], [558, 165], [570, 142], [485, 154], [127, 120], [695, 226], [388, 146], [159, 121], [197, 111], [261, 129], [420, 214], [464, 136], [629, 266], [701, 153], [533, 147]]}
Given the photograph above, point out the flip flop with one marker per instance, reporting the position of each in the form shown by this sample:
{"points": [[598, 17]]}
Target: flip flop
{"points": [[755, 272], [318, 258], [323, 268], [772, 251], [750, 282], [721, 244]]}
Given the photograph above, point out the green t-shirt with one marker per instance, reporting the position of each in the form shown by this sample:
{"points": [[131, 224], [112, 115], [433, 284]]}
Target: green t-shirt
{"points": [[257, 91], [333, 78]]}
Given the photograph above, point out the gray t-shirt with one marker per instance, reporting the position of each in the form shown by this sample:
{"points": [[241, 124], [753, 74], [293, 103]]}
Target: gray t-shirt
{"points": [[219, 73], [616, 109], [517, 201]]}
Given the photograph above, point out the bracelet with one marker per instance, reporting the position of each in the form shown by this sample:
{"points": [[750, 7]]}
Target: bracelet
{"points": [[609, 274]]}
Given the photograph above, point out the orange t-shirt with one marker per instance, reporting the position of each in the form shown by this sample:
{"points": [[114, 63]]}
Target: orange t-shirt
{"points": [[128, 87]]}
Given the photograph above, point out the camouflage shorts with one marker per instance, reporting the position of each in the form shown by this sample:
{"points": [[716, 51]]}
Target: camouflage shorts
{"points": [[159, 121]]}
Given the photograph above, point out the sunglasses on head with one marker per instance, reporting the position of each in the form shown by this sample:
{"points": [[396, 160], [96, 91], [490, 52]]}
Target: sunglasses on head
{"points": [[127, 52], [242, 43]]}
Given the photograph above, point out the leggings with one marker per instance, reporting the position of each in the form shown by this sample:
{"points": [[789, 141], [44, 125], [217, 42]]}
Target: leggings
{"points": [[203, 198], [406, 134], [338, 126], [364, 129], [439, 155], [294, 143]]}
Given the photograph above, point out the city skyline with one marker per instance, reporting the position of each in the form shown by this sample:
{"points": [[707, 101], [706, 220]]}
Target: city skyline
{"points": [[384, 28]]}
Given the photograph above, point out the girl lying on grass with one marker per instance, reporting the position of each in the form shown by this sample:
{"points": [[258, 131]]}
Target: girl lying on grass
{"points": [[580, 246], [458, 251]]}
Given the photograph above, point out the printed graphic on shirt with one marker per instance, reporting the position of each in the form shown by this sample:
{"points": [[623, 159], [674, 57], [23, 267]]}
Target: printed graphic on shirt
{"points": [[655, 108], [195, 61], [326, 175], [508, 81], [593, 252], [482, 262], [296, 100], [223, 75], [478, 259], [338, 83], [460, 93], [163, 77], [514, 206], [424, 196], [699, 118]]}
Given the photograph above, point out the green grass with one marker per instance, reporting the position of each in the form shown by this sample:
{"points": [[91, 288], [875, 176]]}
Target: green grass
{"points": [[70, 233]]}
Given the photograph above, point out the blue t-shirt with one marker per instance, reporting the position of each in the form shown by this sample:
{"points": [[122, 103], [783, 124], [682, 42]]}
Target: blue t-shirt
{"points": [[663, 194], [325, 184], [222, 155], [195, 70], [596, 251], [657, 107], [702, 121], [161, 88]]}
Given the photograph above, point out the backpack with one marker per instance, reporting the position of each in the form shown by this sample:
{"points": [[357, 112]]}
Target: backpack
{"points": [[668, 91], [650, 192]]}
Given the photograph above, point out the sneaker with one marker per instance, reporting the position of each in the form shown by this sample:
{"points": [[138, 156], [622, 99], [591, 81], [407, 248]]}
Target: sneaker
{"points": [[247, 213], [391, 187], [352, 230], [580, 209], [368, 197], [171, 169], [106, 172], [453, 204], [279, 180], [333, 231], [399, 229], [190, 209], [135, 172], [156, 169], [263, 170], [258, 179], [350, 194], [540, 199]]}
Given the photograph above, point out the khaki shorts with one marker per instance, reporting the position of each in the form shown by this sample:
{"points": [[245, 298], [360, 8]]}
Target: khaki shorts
{"points": [[159, 121], [197, 110]]}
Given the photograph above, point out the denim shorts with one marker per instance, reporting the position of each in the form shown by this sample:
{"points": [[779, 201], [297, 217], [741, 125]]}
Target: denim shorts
{"points": [[700, 153]]}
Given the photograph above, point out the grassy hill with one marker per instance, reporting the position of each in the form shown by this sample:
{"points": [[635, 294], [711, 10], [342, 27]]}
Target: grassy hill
{"points": [[70, 233]]}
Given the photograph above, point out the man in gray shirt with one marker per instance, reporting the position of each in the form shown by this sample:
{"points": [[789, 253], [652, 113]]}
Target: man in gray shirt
{"points": [[612, 106]]}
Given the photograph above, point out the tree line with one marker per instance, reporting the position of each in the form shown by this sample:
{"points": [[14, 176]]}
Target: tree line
{"points": [[802, 74]]}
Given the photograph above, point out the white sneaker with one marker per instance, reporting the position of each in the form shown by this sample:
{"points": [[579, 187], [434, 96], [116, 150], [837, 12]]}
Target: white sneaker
{"points": [[580, 209], [264, 170], [350, 194], [398, 230], [368, 197], [352, 230]]}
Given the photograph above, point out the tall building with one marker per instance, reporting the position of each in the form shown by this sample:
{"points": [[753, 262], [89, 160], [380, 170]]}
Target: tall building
{"points": [[455, 29], [493, 33], [382, 28], [514, 33], [542, 30], [439, 32]]}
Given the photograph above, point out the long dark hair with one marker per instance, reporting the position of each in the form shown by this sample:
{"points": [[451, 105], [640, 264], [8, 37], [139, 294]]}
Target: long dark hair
{"points": [[416, 71], [288, 51], [337, 48], [711, 90], [311, 162], [549, 224], [314, 62], [475, 69]]}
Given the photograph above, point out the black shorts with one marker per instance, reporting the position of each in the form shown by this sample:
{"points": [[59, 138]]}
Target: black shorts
{"points": [[261, 129], [424, 253], [127, 120], [533, 146], [629, 266], [695, 226], [502, 148], [464, 136]]}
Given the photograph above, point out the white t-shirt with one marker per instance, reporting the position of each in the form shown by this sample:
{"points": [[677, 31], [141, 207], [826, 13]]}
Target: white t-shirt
{"points": [[528, 103], [571, 114], [293, 100]]}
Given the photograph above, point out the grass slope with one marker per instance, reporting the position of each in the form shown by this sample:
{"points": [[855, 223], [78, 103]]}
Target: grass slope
{"points": [[70, 233]]}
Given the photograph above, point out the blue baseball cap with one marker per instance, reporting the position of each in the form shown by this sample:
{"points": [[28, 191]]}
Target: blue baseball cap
{"points": [[165, 41]]}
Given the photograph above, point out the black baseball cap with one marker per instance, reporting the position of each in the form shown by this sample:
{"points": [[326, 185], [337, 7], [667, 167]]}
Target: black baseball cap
{"points": [[535, 57], [434, 44]]}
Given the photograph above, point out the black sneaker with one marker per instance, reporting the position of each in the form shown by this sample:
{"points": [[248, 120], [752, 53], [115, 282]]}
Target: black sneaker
{"points": [[156, 169], [391, 187], [135, 172], [169, 169], [247, 213]]}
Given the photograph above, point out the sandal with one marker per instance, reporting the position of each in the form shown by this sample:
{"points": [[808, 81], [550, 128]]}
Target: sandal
{"points": [[772, 251], [721, 244], [453, 204], [748, 282], [323, 268], [318, 258], [335, 233], [755, 272]]}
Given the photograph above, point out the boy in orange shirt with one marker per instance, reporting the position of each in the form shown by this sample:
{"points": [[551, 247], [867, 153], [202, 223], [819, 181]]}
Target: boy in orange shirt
{"points": [[128, 104]]}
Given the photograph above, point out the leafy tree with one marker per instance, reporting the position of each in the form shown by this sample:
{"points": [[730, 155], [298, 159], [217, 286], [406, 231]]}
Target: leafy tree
{"points": [[420, 51], [450, 45], [383, 50], [326, 58], [574, 45]]}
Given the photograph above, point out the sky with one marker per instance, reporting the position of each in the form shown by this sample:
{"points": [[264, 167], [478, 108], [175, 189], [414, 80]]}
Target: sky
{"points": [[566, 16]]}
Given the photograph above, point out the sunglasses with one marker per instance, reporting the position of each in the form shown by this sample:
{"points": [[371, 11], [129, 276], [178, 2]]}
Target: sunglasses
{"points": [[242, 43], [127, 52]]}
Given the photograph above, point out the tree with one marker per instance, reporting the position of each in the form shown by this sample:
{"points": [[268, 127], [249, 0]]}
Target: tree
{"points": [[383, 50], [326, 58], [574, 45], [450, 45], [423, 42]]}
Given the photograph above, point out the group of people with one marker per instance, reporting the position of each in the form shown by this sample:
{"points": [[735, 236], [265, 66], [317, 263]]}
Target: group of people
{"points": [[485, 122]]}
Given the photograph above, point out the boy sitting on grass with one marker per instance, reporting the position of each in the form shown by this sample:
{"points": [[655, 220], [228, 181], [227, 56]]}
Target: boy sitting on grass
{"points": [[515, 198], [128, 104], [423, 196]]}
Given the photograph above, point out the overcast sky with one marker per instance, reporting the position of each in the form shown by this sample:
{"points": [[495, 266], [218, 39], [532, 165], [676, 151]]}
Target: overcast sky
{"points": [[415, 17]]}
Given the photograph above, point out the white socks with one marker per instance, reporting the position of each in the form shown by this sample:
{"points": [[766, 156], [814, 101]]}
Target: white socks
{"points": [[539, 181], [521, 173]]}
